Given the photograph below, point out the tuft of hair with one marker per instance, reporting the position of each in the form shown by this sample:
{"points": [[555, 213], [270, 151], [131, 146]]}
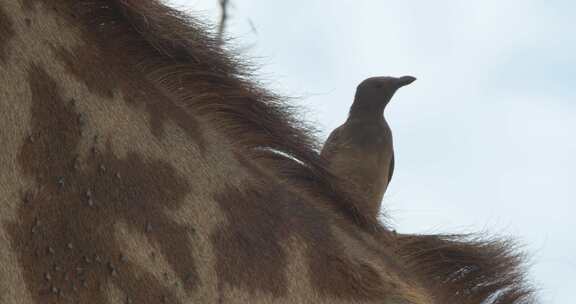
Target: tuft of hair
{"points": [[468, 269]]}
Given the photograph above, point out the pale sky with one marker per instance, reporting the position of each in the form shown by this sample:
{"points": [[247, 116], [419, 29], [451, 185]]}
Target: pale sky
{"points": [[484, 140]]}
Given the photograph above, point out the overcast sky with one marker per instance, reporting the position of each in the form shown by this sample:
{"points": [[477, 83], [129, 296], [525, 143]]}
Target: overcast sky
{"points": [[484, 140]]}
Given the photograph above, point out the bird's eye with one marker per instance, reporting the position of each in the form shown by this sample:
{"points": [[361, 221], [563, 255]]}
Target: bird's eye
{"points": [[378, 85]]}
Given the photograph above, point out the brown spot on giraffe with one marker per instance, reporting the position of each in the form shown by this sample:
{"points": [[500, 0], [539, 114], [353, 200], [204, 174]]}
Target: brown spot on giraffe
{"points": [[31, 4], [87, 65], [64, 234], [6, 33], [253, 238]]}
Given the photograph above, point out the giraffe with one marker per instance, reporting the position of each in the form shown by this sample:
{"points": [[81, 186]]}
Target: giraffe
{"points": [[140, 163]]}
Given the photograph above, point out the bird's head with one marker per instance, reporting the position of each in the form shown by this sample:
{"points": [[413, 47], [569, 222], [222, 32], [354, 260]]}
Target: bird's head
{"points": [[381, 89], [374, 93]]}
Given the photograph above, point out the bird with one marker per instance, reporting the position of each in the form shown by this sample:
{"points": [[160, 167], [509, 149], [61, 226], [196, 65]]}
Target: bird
{"points": [[361, 151]]}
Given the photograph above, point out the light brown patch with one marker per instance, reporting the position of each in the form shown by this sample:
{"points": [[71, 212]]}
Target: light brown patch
{"points": [[64, 234], [6, 33]]}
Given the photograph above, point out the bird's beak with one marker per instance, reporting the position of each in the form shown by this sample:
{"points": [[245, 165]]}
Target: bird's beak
{"points": [[404, 80]]}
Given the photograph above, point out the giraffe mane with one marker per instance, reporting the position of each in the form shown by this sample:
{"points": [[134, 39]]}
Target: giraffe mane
{"points": [[468, 268]]}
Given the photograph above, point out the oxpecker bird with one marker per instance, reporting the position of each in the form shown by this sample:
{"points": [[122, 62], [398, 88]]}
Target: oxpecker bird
{"points": [[361, 151]]}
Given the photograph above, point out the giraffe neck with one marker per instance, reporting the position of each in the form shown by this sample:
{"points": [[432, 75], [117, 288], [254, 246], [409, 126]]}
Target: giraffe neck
{"points": [[139, 164], [139, 169]]}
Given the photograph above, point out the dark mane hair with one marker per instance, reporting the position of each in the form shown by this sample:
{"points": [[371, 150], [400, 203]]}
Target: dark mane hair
{"points": [[468, 268], [181, 58]]}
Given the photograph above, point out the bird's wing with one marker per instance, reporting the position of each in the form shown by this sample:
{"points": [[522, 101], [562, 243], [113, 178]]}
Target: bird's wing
{"points": [[332, 144], [391, 169]]}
